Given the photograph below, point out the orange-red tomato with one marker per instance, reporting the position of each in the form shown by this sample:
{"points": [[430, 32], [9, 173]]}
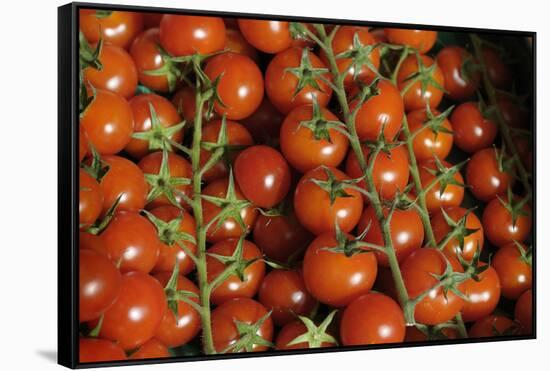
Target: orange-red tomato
{"points": [[484, 177], [90, 200], [114, 27], [414, 334], [182, 35], [421, 40], [332, 277], [436, 197], [483, 295], [150, 350], [427, 143], [236, 43], [82, 143], [266, 35], [493, 326], [472, 132], [147, 57], [523, 312], [460, 73], [414, 97], [265, 123], [291, 331], [499, 226], [99, 350], [372, 319], [514, 271]]}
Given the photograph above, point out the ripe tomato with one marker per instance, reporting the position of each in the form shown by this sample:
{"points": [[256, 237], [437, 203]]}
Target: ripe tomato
{"points": [[151, 20], [314, 208], [472, 132], [108, 122], [169, 251], [229, 227], [381, 111], [241, 84], [436, 198], [471, 243], [125, 180], [284, 293], [413, 334], [406, 230], [99, 284], [291, 331], [485, 177], [188, 34], [342, 42], [184, 101], [499, 227], [135, 316], [499, 73], [178, 167], [90, 200], [166, 114], [280, 237], [332, 277], [418, 270], [233, 287], [131, 242], [99, 350], [460, 72], [414, 97], [512, 114], [265, 35], [263, 175], [244, 310], [421, 40], [483, 295], [372, 319], [237, 136], [493, 326], [147, 57], [523, 312], [176, 331], [281, 84], [428, 143], [265, 123], [303, 149], [88, 241], [82, 143], [513, 270], [236, 43], [114, 27], [150, 350], [390, 173]]}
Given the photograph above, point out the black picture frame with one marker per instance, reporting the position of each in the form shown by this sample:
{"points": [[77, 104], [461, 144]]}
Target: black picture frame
{"points": [[68, 229]]}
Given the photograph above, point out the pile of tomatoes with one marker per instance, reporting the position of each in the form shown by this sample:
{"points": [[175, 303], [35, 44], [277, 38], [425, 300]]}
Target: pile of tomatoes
{"points": [[287, 227]]}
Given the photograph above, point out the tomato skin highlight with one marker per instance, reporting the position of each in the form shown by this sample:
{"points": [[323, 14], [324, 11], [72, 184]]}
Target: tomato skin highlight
{"points": [[313, 207], [484, 177], [99, 350], [266, 35], [514, 272], [414, 98], [421, 40], [428, 144], [452, 195], [471, 131], [484, 295], [119, 28], [498, 224], [90, 199], [147, 57], [372, 319], [334, 279], [263, 175], [451, 60], [182, 35]]}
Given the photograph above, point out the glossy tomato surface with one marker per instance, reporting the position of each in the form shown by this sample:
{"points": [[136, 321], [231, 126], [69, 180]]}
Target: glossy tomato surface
{"points": [[461, 72], [90, 199], [438, 196], [471, 130], [483, 295], [500, 226], [115, 27], [291, 331], [514, 269], [99, 350], [266, 35], [148, 58], [429, 143], [182, 35], [415, 97], [488, 175], [421, 40]]}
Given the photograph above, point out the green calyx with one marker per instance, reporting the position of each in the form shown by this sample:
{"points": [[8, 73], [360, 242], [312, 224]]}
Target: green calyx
{"points": [[98, 168], [307, 74], [526, 253], [169, 232], [158, 137], [436, 122], [360, 56], [315, 335], [320, 126], [100, 13], [334, 187], [350, 247], [174, 296], [170, 69], [469, 68], [505, 163], [88, 56], [459, 231], [100, 225], [444, 175], [424, 75], [236, 263], [515, 206], [249, 336]]}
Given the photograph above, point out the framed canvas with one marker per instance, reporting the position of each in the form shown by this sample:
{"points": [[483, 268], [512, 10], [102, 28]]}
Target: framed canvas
{"points": [[256, 185]]}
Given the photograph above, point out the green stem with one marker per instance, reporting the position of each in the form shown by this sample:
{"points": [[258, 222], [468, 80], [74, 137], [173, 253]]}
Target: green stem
{"points": [[460, 326]]}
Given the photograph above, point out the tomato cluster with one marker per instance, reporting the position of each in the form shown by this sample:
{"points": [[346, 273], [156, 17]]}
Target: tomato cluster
{"points": [[253, 185]]}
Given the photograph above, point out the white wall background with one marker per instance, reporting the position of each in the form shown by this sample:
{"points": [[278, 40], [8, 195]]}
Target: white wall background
{"points": [[28, 125]]}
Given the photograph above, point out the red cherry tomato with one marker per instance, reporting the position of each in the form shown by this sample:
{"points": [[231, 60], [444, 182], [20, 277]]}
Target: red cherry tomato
{"points": [[265, 35], [472, 132], [291, 331], [300, 146], [512, 114], [263, 175], [237, 136], [229, 227], [372, 319], [421, 40], [141, 109], [493, 326], [436, 198], [99, 350], [90, 200], [244, 310], [281, 84], [114, 27], [236, 43], [418, 270], [513, 269], [150, 350], [233, 287], [82, 143], [173, 330], [313, 206], [483, 295], [169, 254], [390, 172], [265, 123], [147, 57], [413, 334], [188, 34], [332, 277], [471, 243], [523, 312], [178, 167], [151, 20], [99, 284], [414, 97], [125, 180], [131, 242], [427, 143], [406, 230], [184, 100], [108, 122], [284, 293], [485, 177], [135, 316], [499, 73], [241, 84], [460, 72], [88, 241], [499, 227]]}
